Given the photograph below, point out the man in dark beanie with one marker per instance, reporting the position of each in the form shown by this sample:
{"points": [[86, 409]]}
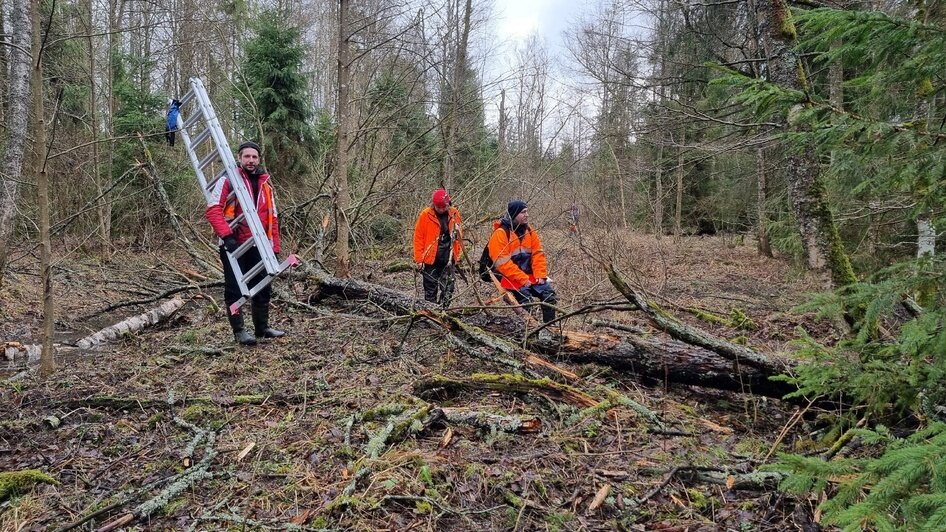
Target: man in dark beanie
{"points": [[438, 238], [221, 215], [519, 260]]}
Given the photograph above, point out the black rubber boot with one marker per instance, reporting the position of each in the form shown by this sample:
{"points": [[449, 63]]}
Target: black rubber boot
{"points": [[239, 333], [261, 323]]}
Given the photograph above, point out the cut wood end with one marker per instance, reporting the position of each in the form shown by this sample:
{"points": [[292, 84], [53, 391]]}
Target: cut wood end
{"points": [[531, 425]]}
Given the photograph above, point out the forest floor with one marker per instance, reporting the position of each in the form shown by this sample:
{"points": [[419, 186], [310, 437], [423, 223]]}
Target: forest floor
{"points": [[290, 434]]}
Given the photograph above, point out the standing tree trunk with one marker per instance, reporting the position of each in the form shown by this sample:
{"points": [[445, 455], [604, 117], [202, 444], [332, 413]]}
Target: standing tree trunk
{"points": [[457, 98], [820, 239], [343, 194], [11, 164], [678, 207], [46, 361], [659, 193], [103, 208], [761, 231]]}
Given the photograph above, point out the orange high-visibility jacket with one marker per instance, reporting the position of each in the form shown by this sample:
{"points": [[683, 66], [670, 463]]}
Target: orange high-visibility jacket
{"points": [[427, 233], [519, 260]]}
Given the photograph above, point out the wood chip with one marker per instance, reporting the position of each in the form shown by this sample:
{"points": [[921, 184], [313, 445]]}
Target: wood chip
{"points": [[730, 481], [246, 450], [447, 438], [714, 427], [602, 494]]}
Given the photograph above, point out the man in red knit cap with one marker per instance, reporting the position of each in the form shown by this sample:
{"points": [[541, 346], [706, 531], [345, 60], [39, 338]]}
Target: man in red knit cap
{"points": [[438, 236]]}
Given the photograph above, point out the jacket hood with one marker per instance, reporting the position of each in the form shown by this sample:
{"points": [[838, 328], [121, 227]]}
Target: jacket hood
{"points": [[506, 223]]}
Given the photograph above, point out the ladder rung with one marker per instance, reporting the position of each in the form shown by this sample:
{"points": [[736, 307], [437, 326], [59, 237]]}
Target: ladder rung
{"points": [[236, 221], [252, 272], [260, 285], [194, 118], [202, 136], [213, 182], [243, 248], [187, 98], [209, 158]]}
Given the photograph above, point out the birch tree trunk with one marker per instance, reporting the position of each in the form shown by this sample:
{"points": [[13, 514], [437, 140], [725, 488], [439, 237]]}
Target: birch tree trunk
{"points": [[11, 164], [343, 197], [821, 242]]}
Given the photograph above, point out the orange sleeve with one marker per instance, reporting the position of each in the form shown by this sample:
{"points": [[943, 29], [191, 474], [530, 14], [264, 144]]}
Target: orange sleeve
{"points": [[419, 237], [458, 242], [500, 251], [540, 266]]}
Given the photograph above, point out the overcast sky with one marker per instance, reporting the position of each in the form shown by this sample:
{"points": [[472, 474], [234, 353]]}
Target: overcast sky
{"points": [[517, 19]]}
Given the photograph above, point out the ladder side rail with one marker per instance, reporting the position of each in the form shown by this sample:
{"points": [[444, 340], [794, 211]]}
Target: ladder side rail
{"points": [[192, 155]]}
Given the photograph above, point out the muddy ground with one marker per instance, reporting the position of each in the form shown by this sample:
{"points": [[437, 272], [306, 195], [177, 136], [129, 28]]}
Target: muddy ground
{"points": [[286, 434]]}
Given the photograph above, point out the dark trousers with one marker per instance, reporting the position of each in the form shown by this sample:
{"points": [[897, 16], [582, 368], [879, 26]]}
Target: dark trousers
{"points": [[542, 292], [438, 283], [231, 291]]}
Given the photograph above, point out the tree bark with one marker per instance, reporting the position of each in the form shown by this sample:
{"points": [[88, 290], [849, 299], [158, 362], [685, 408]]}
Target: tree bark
{"points": [[822, 245], [11, 164], [457, 96], [343, 197], [765, 248], [40, 153]]}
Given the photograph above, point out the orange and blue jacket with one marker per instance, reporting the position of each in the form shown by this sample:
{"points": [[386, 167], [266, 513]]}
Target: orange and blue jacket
{"points": [[226, 209], [427, 234], [519, 260]]}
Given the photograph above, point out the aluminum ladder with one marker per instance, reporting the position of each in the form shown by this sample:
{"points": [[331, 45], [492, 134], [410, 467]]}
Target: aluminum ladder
{"points": [[212, 159]]}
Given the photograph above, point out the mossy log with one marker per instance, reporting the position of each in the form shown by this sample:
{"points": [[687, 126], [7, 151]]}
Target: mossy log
{"points": [[507, 383], [491, 421], [692, 335], [670, 361]]}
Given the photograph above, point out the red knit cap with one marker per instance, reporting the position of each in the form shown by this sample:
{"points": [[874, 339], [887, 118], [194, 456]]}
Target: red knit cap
{"points": [[440, 198]]}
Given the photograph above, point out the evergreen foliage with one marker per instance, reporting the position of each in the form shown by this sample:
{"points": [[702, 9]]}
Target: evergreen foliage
{"points": [[887, 141], [276, 109]]}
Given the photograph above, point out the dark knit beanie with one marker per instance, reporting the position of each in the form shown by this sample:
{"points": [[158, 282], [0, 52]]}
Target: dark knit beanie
{"points": [[249, 144], [514, 208]]}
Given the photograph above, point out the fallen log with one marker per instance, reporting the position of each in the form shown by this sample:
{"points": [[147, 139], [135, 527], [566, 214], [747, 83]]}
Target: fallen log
{"points": [[692, 335], [132, 324], [656, 359], [669, 361], [31, 352], [401, 303]]}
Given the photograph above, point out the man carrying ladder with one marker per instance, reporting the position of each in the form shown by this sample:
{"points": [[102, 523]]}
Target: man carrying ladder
{"points": [[221, 215], [240, 207]]}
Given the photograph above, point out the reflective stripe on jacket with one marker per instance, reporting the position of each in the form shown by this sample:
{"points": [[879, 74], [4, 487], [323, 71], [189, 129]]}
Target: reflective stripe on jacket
{"points": [[427, 233], [519, 260], [221, 213]]}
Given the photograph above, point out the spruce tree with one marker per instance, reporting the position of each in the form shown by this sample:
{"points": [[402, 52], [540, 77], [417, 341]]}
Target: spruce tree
{"points": [[276, 108]]}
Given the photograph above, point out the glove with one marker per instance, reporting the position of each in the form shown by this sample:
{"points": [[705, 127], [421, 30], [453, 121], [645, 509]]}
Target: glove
{"points": [[230, 243]]}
